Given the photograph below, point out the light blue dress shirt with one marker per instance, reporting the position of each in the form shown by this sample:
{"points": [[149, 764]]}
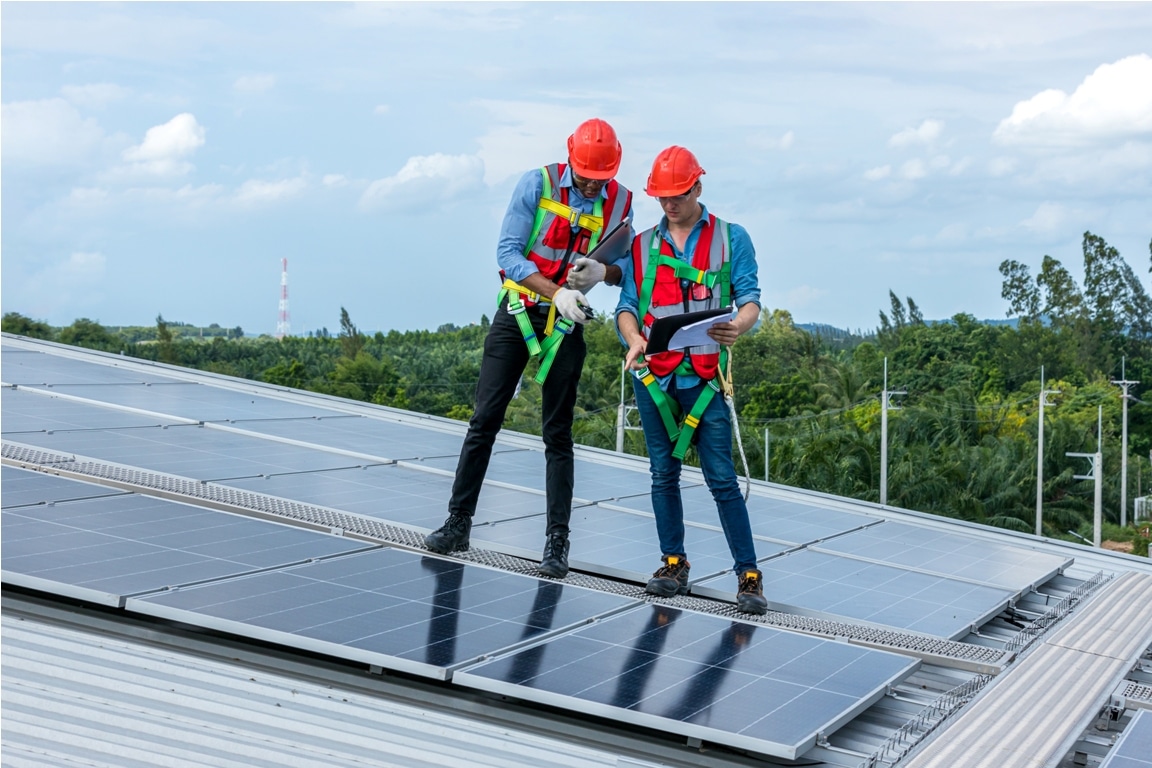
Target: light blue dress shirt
{"points": [[745, 282], [521, 215]]}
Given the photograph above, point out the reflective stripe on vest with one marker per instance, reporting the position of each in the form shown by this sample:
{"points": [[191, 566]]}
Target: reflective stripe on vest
{"points": [[663, 282]]}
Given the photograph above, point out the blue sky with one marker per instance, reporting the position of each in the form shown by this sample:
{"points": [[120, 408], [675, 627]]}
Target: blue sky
{"points": [[161, 158]]}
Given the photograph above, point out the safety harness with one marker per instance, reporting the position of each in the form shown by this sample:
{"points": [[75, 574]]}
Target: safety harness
{"points": [[679, 427], [556, 330]]}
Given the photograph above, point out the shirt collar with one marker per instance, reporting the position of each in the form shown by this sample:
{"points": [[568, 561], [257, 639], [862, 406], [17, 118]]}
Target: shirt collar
{"points": [[566, 180], [703, 222]]}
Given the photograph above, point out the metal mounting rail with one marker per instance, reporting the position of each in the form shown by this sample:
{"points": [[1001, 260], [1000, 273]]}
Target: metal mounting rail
{"points": [[947, 653], [1042, 624]]}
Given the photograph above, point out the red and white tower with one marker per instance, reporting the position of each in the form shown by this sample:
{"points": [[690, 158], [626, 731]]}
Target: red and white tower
{"points": [[283, 325]]}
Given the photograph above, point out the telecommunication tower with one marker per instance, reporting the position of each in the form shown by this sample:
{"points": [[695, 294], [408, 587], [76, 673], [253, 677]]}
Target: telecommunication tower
{"points": [[283, 325]]}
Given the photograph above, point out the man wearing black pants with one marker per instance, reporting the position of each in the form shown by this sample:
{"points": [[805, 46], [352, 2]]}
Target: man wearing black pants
{"points": [[558, 213]]}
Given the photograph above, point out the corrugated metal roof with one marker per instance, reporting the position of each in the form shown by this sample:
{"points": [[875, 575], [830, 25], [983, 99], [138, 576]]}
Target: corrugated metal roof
{"points": [[74, 697]]}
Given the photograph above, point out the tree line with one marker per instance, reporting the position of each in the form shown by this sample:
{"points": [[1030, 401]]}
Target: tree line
{"points": [[962, 443]]}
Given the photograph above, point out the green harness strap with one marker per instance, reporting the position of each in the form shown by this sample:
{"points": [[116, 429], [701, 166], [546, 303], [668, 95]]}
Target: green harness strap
{"points": [[680, 432], [551, 346], [516, 306], [517, 309]]}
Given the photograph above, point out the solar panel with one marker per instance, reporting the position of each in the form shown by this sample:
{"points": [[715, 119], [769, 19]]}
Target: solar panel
{"points": [[106, 549], [729, 682], [26, 411], [945, 553], [34, 369], [826, 585], [780, 520], [1134, 747], [594, 481], [24, 487], [378, 437], [395, 493], [200, 453], [191, 400], [613, 543], [395, 609]]}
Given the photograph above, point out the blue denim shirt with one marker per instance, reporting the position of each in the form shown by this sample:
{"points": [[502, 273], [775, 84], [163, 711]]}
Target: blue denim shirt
{"points": [[521, 215], [745, 283]]}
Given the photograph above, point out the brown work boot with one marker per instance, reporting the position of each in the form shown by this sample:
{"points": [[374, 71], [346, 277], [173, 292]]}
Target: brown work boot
{"points": [[750, 595], [671, 578]]}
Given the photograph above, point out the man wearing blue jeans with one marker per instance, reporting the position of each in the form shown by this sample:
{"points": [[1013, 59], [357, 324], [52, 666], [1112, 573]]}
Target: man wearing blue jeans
{"points": [[690, 261]]}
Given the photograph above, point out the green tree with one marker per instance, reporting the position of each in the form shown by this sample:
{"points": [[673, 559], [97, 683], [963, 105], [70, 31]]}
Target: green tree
{"points": [[14, 322]]}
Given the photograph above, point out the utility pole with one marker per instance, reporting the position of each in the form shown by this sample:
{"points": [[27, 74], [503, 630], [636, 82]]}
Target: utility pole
{"points": [[1097, 460], [1124, 384], [1040, 454], [622, 412], [885, 404], [767, 446]]}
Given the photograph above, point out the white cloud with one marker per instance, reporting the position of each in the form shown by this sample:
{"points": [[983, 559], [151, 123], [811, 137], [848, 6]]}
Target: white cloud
{"points": [[381, 109], [94, 95], [925, 135], [254, 83], [959, 167], [425, 180], [913, 169], [1114, 101], [876, 174], [803, 296], [255, 191], [164, 147], [528, 134], [1002, 166], [1047, 219], [787, 140], [334, 180], [48, 133]]}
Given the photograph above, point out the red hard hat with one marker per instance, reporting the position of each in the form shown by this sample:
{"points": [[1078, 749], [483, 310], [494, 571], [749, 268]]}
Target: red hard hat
{"points": [[593, 150], [673, 173]]}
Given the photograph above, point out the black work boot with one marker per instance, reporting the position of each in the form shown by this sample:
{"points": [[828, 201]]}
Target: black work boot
{"points": [[450, 537], [671, 578], [750, 596], [554, 562]]}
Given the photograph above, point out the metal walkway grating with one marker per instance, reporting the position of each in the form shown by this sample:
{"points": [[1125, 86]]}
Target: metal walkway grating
{"points": [[958, 655]]}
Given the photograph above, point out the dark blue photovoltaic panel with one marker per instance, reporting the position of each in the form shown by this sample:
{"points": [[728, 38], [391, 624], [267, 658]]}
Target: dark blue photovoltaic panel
{"points": [[780, 520], [839, 587], [399, 610], [200, 453], [106, 549], [730, 682], [947, 553], [26, 411], [23, 487], [390, 440], [1134, 747], [613, 543], [190, 400], [36, 369], [594, 481], [394, 493]]}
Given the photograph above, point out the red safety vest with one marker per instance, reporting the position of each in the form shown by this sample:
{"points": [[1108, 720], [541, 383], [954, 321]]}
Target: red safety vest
{"points": [[552, 232], [679, 287]]}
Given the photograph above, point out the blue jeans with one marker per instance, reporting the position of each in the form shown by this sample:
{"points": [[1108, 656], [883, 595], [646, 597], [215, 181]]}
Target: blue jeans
{"points": [[714, 446]]}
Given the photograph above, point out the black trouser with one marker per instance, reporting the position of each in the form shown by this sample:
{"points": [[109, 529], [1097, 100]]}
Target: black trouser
{"points": [[505, 356]]}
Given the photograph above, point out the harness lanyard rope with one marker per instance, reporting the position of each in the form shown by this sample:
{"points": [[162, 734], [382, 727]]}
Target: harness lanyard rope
{"points": [[730, 398]]}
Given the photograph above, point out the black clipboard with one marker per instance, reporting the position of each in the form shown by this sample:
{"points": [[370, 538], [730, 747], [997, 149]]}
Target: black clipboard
{"points": [[664, 328], [614, 244]]}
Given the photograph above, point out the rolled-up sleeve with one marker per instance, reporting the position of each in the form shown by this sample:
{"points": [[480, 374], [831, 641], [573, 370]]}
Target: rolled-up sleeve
{"points": [[745, 278]]}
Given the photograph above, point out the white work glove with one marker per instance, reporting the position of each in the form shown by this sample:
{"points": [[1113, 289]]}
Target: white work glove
{"points": [[585, 274], [568, 304]]}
